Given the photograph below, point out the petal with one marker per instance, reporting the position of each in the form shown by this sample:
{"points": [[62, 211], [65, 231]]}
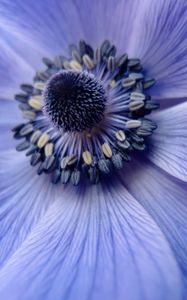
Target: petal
{"points": [[55, 24], [23, 200], [113, 20], [48, 24], [24, 47], [94, 243], [13, 70], [166, 201], [168, 148], [161, 42], [10, 116], [30, 30]]}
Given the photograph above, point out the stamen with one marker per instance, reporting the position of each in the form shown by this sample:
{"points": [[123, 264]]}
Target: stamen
{"points": [[107, 150], [85, 114], [120, 135], [88, 62], [44, 138], [133, 124], [48, 149], [87, 157]]}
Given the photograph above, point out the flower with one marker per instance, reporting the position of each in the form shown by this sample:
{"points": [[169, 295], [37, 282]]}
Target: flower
{"points": [[123, 237]]}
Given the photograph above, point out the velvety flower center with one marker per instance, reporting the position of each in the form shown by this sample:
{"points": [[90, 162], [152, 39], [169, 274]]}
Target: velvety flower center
{"points": [[85, 114], [74, 100]]}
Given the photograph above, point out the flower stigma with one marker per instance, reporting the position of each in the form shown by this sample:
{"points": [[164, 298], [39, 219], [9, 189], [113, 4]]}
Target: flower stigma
{"points": [[85, 114], [74, 101]]}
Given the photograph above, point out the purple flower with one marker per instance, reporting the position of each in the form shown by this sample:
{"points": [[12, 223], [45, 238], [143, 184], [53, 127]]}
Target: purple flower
{"points": [[120, 233]]}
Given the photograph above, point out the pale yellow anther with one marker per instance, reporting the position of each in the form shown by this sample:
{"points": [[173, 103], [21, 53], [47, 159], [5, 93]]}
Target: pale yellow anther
{"points": [[87, 157], [39, 85], [120, 135], [66, 65], [137, 96], [112, 83], [75, 65], [36, 102], [49, 149], [135, 105], [107, 150], [132, 124], [35, 136], [43, 140], [27, 114], [88, 61], [71, 159]]}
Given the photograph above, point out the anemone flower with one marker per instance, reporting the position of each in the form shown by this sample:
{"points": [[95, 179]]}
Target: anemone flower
{"points": [[93, 174]]}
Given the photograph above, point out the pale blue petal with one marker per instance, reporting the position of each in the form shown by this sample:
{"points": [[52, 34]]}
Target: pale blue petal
{"points": [[48, 23], [54, 24], [166, 201], [13, 71], [32, 29], [10, 116], [161, 43], [154, 30], [93, 243], [113, 20], [168, 148], [24, 199], [23, 46]]}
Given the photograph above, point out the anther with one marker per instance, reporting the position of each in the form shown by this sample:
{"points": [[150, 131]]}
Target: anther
{"points": [[35, 158], [23, 146], [35, 102], [75, 65], [85, 113], [71, 160], [120, 135], [44, 138], [30, 115], [107, 150], [128, 82], [137, 96], [88, 62], [135, 105], [48, 149], [87, 157], [136, 76], [27, 129], [133, 124], [65, 176], [35, 136], [39, 85], [148, 83]]}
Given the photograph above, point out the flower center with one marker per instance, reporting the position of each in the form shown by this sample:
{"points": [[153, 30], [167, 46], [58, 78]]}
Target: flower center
{"points": [[86, 114], [74, 101]]}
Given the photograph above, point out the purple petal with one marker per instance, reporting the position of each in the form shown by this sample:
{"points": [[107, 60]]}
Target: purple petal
{"points": [[160, 40], [49, 24], [166, 201], [13, 70], [168, 148], [97, 243], [55, 24], [23, 201], [10, 116], [113, 20]]}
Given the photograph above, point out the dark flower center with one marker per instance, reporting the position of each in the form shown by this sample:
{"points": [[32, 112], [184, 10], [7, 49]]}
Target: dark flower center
{"points": [[86, 113], [74, 100]]}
